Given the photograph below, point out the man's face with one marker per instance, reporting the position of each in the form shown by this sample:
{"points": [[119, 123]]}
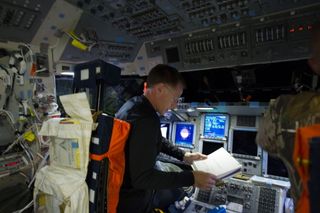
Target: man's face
{"points": [[169, 97]]}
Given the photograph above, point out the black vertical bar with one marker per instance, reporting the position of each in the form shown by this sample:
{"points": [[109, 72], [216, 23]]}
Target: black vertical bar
{"points": [[314, 186]]}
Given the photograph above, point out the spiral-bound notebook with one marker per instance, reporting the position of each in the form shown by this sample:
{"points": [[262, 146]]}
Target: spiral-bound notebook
{"points": [[220, 163]]}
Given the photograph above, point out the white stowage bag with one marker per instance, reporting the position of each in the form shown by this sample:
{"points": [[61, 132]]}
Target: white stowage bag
{"points": [[59, 190], [61, 186], [69, 142]]}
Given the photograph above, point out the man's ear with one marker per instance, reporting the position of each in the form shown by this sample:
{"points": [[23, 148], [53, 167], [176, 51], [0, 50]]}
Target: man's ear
{"points": [[160, 87], [157, 88], [314, 64]]}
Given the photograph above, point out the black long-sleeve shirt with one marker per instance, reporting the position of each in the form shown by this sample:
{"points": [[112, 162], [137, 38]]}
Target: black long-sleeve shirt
{"points": [[144, 144]]}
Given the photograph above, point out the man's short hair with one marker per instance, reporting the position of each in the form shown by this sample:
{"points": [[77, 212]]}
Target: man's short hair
{"points": [[163, 73]]}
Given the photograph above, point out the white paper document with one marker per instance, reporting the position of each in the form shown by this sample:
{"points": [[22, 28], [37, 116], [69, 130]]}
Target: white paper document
{"points": [[220, 163]]}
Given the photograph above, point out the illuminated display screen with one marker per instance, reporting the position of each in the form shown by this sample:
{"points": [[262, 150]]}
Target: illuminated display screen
{"points": [[208, 147], [215, 127], [184, 134], [165, 130], [244, 142], [276, 167]]}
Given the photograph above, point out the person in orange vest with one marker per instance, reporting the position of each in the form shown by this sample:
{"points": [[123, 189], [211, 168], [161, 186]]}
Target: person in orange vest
{"points": [[164, 87]]}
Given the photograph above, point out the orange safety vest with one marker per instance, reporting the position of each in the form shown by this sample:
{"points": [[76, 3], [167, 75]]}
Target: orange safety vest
{"points": [[301, 161]]}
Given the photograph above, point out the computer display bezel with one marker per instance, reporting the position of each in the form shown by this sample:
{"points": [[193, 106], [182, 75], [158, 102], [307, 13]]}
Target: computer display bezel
{"points": [[226, 129], [267, 171], [230, 143], [174, 133]]}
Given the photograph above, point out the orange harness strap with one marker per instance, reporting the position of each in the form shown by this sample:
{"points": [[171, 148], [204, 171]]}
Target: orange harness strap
{"points": [[98, 157]]}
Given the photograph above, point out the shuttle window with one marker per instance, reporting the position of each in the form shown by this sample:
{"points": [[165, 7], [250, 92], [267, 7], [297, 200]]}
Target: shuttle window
{"points": [[172, 55]]}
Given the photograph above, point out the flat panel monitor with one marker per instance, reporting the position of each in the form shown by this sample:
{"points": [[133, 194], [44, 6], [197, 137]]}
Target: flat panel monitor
{"points": [[244, 142], [208, 147], [275, 167], [165, 130], [184, 134], [216, 126]]}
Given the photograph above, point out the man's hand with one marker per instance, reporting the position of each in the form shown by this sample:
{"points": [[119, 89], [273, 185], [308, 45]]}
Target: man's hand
{"points": [[203, 180], [190, 157]]}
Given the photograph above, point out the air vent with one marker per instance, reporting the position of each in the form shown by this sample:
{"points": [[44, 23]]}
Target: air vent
{"points": [[247, 121], [272, 33], [232, 41]]}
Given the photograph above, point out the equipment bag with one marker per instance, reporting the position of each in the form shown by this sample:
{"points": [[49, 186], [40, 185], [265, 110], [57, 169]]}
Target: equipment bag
{"points": [[107, 163]]}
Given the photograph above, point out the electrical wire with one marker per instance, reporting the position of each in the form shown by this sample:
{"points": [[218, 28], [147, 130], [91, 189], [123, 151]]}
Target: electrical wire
{"points": [[9, 114], [17, 140], [34, 112], [42, 163], [13, 144], [31, 52], [29, 155], [24, 208], [40, 138], [24, 175], [23, 143], [5, 69]]}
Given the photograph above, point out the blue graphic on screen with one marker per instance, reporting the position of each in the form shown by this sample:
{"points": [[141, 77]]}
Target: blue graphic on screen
{"points": [[184, 135], [215, 127]]}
